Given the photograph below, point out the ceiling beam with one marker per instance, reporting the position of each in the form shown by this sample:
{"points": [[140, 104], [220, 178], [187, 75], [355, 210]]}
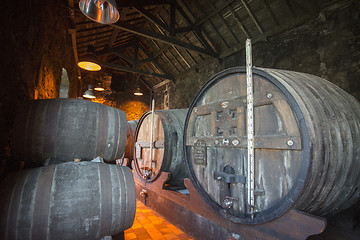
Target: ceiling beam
{"points": [[252, 15], [134, 70], [163, 38], [151, 18], [133, 3]]}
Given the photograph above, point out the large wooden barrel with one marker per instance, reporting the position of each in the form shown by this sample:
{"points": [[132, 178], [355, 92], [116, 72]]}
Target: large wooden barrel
{"points": [[167, 152], [306, 139], [67, 201], [64, 129], [129, 148]]}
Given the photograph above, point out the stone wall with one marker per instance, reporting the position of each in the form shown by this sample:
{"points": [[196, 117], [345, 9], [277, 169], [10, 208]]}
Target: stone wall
{"points": [[133, 106], [35, 46]]}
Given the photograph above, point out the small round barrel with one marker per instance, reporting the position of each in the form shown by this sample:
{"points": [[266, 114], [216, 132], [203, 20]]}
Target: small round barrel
{"points": [[129, 148], [67, 201], [306, 145], [164, 152], [60, 130]]}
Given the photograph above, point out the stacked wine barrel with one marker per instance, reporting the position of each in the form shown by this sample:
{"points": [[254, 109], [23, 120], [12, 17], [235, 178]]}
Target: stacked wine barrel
{"points": [[69, 196]]}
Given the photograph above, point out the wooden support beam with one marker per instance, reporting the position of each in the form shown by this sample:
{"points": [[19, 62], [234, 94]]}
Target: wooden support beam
{"points": [[113, 36], [134, 70], [212, 14], [182, 57], [291, 9], [270, 11], [163, 38], [133, 3], [237, 18], [198, 32], [152, 18], [154, 60], [310, 6], [252, 15], [172, 18], [224, 22]]}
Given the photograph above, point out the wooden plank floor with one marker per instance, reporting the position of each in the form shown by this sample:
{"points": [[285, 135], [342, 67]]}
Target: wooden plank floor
{"points": [[149, 225]]}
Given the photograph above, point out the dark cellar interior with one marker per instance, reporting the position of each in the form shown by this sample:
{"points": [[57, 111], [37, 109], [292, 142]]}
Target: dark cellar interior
{"points": [[170, 49]]}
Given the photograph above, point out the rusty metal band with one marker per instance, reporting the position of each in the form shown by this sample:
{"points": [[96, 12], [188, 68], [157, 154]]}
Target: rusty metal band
{"points": [[30, 131], [106, 200], [102, 130], [116, 133], [52, 116], [15, 206], [42, 203]]}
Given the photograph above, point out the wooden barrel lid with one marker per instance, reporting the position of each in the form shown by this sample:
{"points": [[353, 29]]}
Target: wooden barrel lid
{"points": [[216, 146], [146, 165]]}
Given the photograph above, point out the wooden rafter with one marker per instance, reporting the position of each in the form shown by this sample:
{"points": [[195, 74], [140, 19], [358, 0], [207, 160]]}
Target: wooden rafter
{"points": [[252, 16], [163, 38], [152, 18], [134, 70]]}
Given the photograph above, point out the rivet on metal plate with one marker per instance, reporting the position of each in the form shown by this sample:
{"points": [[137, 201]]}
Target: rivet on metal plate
{"points": [[235, 142], [225, 104]]}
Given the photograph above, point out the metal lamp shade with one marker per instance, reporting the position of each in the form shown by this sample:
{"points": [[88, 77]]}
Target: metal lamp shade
{"points": [[89, 93], [89, 62], [101, 11], [138, 92]]}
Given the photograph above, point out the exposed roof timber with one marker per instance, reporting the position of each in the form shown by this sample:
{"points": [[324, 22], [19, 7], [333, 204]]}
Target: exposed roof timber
{"points": [[133, 3], [134, 70], [224, 22], [86, 30], [154, 61], [237, 18], [252, 15], [95, 34], [212, 24], [113, 36], [198, 32], [289, 6], [210, 15], [309, 5], [163, 38], [93, 39], [182, 57], [123, 56], [152, 18], [172, 18], [270, 11], [290, 24]]}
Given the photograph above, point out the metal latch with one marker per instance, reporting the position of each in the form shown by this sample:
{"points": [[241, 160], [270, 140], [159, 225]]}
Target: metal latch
{"points": [[229, 178]]}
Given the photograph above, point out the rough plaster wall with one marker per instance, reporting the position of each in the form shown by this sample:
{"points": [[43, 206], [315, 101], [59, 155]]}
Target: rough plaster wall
{"points": [[133, 106], [328, 46], [35, 46]]}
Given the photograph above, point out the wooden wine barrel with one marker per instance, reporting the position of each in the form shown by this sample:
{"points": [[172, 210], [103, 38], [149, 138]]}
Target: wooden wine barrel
{"points": [[306, 140], [67, 201], [129, 148], [64, 129], [167, 145]]}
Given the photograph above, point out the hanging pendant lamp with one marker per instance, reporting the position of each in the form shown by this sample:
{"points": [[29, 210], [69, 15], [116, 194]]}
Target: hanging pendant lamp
{"points": [[101, 11], [89, 93], [89, 62], [138, 92]]}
